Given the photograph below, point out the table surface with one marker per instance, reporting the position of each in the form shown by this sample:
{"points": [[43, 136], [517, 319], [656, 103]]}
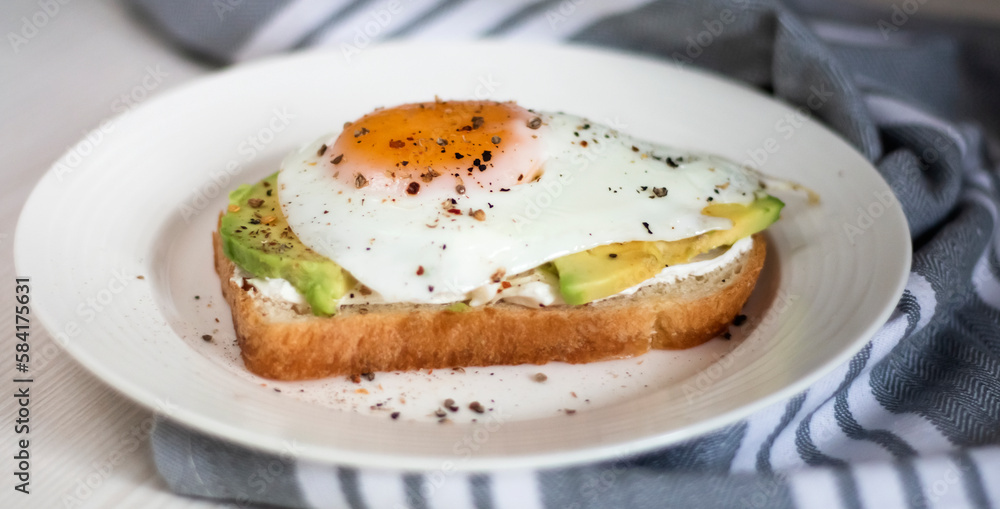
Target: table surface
{"points": [[54, 88]]}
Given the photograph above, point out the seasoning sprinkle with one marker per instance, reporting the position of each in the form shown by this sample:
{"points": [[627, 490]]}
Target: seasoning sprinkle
{"points": [[394, 415], [207, 337], [671, 163], [487, 155], [361, 132], [255, 202], [478, 215], [420, 270], [739, 320], [539, 377], [498, 275], [360, 181], [613, 255], [450, 405], [442, 141], [635, 148], [338, 159], [322, 150], [477, 407], [458, 156], [413, 188], [460, 189], [397, 143], [477, 122], [535, 123], [647, 227], [430, 175], [660, 192], [495, 140], [234, 208]]}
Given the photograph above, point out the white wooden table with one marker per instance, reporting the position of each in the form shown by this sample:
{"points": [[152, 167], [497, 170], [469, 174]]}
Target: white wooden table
{"points": [[89, 445]]}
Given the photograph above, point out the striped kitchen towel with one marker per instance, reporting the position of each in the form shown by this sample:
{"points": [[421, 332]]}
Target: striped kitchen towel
{"points": [[912, 420]]}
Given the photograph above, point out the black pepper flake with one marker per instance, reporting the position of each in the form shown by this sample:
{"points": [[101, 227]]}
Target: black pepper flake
{"points": [[476, 162], [645, 224], [207, 337], [368, 376], [404, 163], [476, 406], [570, 411], [477, 122], [413, 188], [535, 123], [360, 181], [739, 320], [442, 141], [430, 288], [710, 198], [613, 255], [495, 140], [254, 220], [487, 156], [635, 148], [322, 150], [504, 190], [660, 192], [197, 297], [269, 192], [586, 126], [394, 415], [458, 156], [255, 202], [671, 163], [482, 167], [727, 336], [361, 132]]}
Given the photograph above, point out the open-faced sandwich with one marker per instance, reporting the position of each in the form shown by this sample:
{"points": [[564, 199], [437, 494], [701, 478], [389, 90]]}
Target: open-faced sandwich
{"points": [[461, 233]]}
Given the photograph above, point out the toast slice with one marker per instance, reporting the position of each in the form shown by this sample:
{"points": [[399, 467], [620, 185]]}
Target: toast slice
{"points": [[279, 342]]}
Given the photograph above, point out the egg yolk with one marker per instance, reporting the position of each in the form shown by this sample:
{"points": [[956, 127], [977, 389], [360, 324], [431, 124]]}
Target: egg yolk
{"points": [[447, 146]]}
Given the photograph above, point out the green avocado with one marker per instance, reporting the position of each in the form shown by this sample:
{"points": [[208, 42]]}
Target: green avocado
{"points": [[256, 237], [606, 270]]}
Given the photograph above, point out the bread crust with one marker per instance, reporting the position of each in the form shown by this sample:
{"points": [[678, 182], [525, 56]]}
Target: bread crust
{"points": [[285, 346]]}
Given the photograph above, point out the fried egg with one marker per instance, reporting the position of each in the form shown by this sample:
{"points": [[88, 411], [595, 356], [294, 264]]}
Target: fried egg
{"points": [[426, 202]]}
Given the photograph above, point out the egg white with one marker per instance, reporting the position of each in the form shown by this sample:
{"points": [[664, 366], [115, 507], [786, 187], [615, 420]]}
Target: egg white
{"points": [[412, 249]]}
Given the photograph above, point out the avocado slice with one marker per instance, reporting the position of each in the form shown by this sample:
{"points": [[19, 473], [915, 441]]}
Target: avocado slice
{"points": [[606, 270], [256, 237]]}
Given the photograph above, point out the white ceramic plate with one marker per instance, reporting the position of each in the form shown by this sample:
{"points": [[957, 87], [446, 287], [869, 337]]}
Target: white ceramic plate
{"points": [[144, 199]]}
